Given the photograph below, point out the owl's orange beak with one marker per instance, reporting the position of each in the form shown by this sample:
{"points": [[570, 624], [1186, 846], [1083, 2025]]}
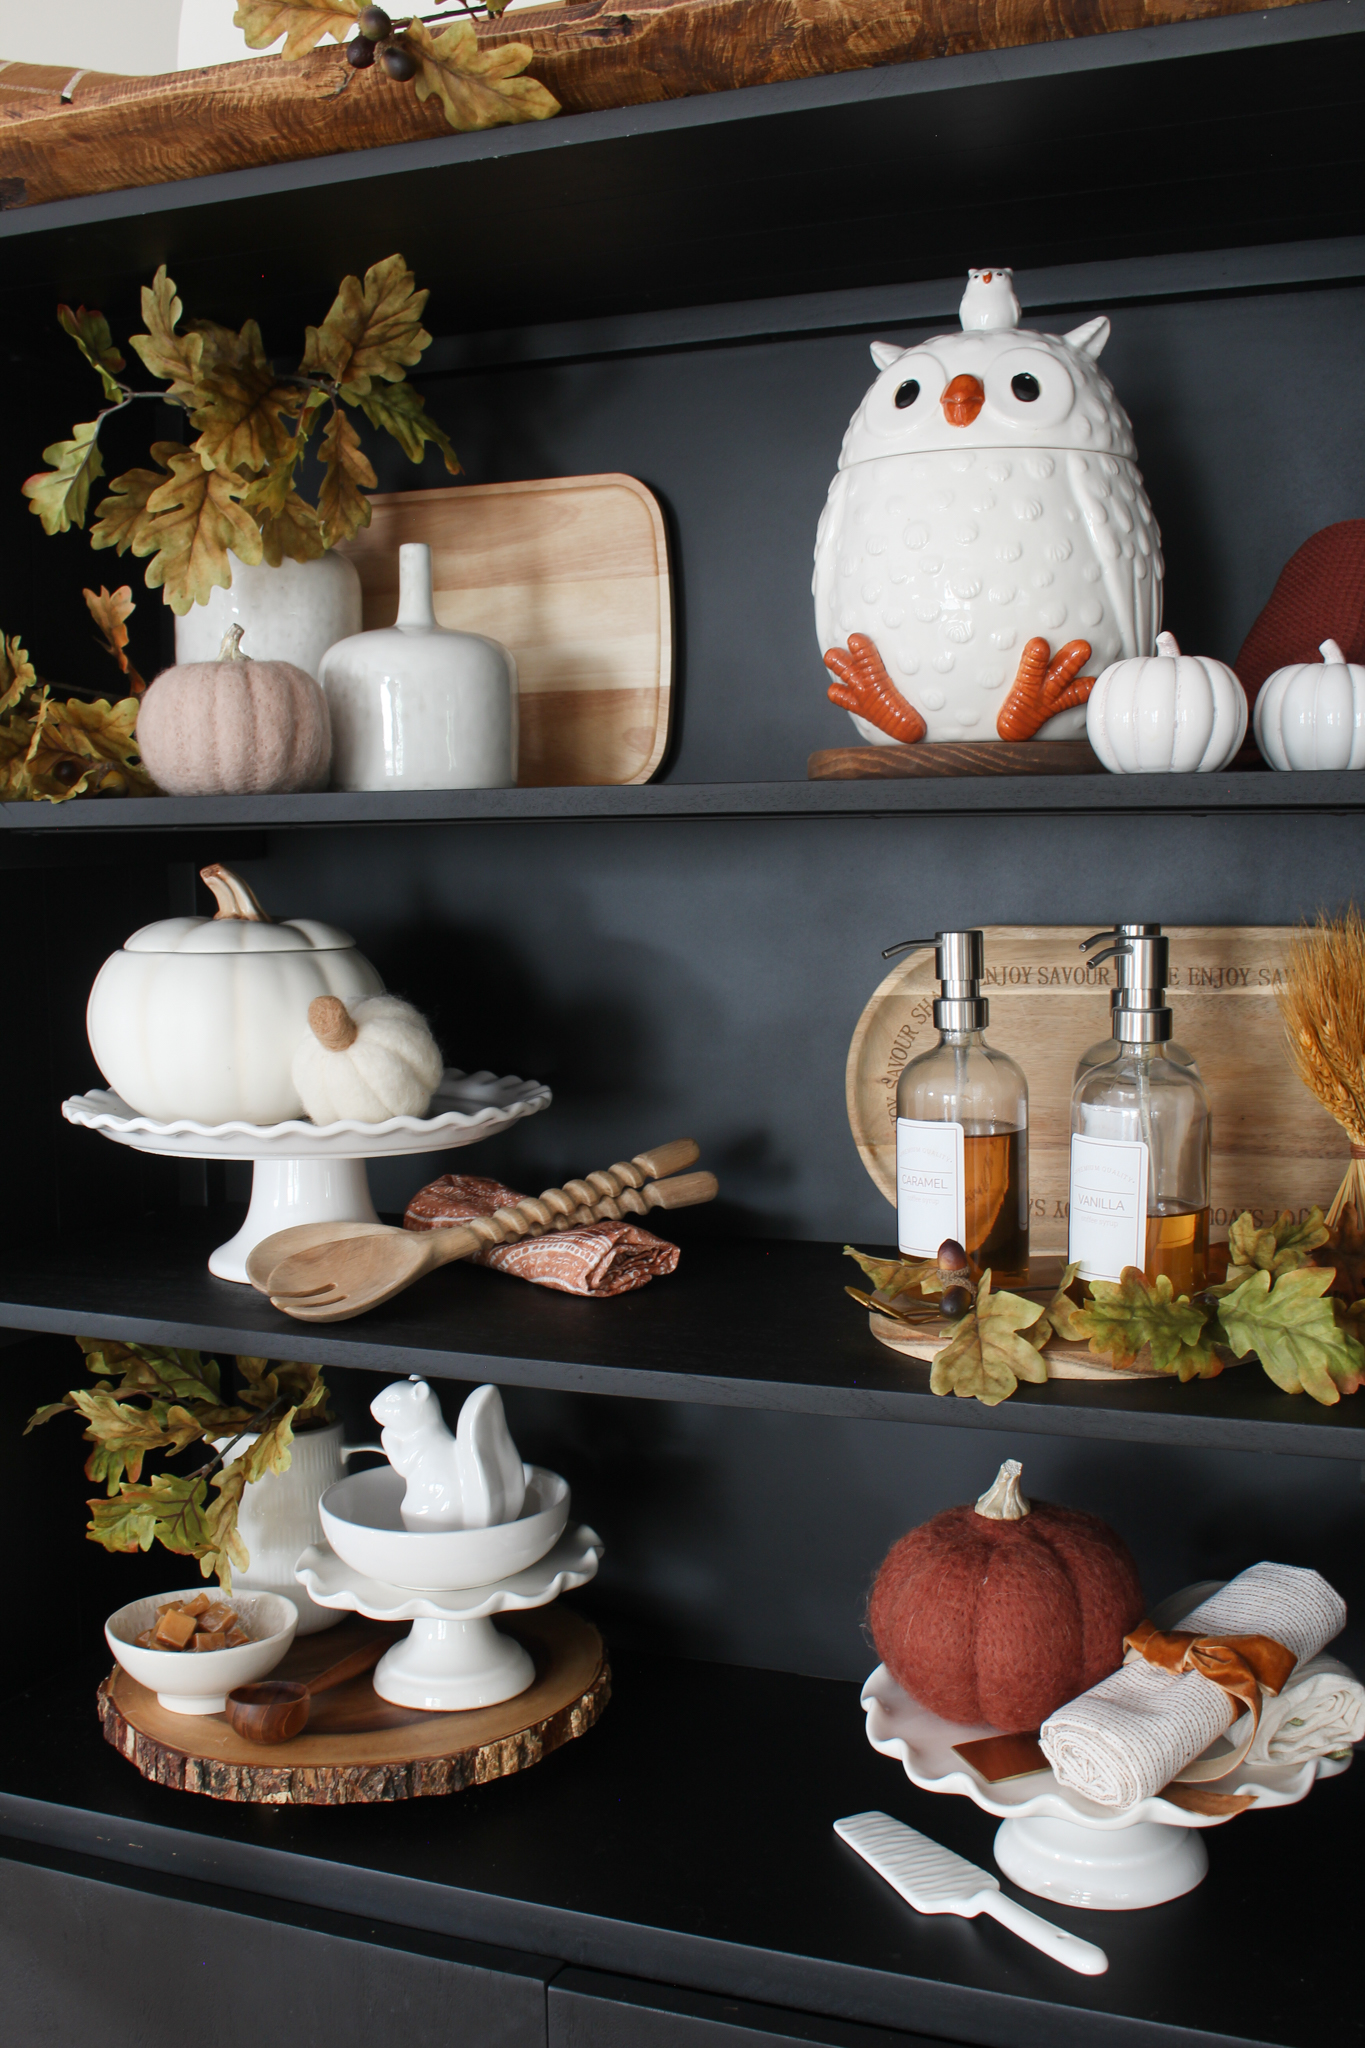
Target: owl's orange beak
{"points": [[963, 400]]}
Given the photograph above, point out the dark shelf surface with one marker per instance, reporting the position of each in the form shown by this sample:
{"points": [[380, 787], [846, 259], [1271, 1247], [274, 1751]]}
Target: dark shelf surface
{"points": [[688, 1839], [980, 795], [744, 1323], [1195, 135]]}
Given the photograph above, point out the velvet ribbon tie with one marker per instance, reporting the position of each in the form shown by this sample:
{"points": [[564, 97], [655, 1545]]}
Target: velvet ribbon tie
{"points": [[1241, 1666]]}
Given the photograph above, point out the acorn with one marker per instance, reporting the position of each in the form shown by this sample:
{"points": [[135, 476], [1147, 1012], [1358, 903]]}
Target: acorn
{"points": [[399, 61], [360, 54], [952, 1259], [374, 25], [954, 1303]]}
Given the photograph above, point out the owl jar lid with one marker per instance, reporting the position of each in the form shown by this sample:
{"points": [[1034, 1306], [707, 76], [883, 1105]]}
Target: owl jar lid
{"points": [[994, 385]]}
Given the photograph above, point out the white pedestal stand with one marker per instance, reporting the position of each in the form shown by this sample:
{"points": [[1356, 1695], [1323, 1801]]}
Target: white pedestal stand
{"points": [[315, 1173], [452, 1658]]}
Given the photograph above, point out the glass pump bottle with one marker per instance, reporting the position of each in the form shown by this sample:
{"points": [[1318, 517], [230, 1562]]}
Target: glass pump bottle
{"points": [[1140, 1140], [962, 1127], [1105, 1049]]}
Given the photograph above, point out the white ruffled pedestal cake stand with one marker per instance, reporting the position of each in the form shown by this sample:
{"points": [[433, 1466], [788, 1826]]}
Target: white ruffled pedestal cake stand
{"points": [[315, 1173], [1055, 1842]]}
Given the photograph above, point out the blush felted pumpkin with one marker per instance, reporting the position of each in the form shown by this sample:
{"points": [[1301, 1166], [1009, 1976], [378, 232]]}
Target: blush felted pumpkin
{"points": [[1002, 1612], [235, 726]]}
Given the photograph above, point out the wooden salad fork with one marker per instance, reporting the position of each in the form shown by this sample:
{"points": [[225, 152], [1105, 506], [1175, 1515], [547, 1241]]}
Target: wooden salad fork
{"points": [[342, 1276]]}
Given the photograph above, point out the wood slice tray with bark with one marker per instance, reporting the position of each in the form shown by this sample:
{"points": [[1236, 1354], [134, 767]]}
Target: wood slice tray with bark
{"points": [[954, 757], [1274, 1146], [357, 1749], [65, 132], [571, 574]]}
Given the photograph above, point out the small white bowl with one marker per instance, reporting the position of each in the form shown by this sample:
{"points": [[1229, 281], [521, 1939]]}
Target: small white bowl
{"points": [[199, 1681], [362, 1522]]}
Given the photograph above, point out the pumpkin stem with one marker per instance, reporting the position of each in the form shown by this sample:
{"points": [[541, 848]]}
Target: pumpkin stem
{"points": [[332, 1024], [1332, 654], [1167, 644], [231, 649], [1004, 1502], [234, 897]]}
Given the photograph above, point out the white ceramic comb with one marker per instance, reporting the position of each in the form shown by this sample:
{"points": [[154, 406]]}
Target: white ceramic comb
{"points": [[933, 1879]]}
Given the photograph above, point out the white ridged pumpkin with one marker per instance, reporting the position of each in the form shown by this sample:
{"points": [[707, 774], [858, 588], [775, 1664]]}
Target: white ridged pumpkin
{"points": [[198, 1017], [235, 726], [1312, 715], [366, 1061], [1166, 713]]}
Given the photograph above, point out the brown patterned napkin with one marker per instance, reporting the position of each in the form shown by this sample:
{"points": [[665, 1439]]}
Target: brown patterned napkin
{"points": [[592, 1258]]}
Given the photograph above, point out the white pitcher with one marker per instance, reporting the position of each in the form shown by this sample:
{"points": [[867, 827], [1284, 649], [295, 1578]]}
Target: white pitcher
{"points": [[278, 1518]]}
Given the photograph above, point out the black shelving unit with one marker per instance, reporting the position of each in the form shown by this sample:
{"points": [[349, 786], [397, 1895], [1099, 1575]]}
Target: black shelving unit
{"points": [[685, 291]]}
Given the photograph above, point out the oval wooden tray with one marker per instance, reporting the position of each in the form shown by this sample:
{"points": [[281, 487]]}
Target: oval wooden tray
{"points": [[357, 1749], [1274, 1146]]}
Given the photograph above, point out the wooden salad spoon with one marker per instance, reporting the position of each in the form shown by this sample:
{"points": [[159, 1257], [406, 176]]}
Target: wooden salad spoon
{"points": [[343, 1277], [277, 1709]]}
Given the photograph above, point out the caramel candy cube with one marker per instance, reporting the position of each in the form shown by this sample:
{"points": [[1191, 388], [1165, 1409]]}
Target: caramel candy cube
{"points": [[236, 1637], [209, 1639], [173, 1631], [199, 1605], [145, 1640], [218, 1617]]}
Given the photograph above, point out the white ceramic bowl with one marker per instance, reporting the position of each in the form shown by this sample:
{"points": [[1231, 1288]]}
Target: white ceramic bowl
{"points": [[361, 1521], [199, 1681]]}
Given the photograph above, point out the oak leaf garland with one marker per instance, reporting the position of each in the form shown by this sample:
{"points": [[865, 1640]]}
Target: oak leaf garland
{"points": [[986, 1356], [1277, 1247], [1125, 1317], [477, 88], [303, 22], [1295, 1333]]}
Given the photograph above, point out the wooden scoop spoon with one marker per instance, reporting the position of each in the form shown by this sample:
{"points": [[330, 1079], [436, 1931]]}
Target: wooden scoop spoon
{"points": [[277, 1709]]}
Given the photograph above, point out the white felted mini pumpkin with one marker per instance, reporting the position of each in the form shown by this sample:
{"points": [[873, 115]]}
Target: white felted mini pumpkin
{"points": [[366, 1061], [235, 726]]}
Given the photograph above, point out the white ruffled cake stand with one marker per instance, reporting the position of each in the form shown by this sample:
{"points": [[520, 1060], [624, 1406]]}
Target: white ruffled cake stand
{"points": [[315, 1173], [1055, 1842], [453, 1657]]}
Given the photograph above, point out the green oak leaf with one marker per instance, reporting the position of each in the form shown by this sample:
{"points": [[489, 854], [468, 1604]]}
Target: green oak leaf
{"points": [[1295, 1333], [1059, 1314], [90, 332], [59, 495], [152, 1369], [986, 1357], [1277, 1247], [891, 1277], [1126, 1316], [402, 412], [167, 1510]]}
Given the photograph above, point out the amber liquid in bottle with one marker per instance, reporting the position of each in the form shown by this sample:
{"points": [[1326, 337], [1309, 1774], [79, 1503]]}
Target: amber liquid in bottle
{"points": [[995, 1173], [1178, 1246]]}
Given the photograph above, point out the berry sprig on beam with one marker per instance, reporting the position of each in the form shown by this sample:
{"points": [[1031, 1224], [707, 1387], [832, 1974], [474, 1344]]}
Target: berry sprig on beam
{"points": [[477, 88]]}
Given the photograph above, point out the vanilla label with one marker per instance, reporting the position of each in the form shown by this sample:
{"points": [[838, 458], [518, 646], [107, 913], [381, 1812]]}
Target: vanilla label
{"points": [[1108, 1227], [930, 1186]]}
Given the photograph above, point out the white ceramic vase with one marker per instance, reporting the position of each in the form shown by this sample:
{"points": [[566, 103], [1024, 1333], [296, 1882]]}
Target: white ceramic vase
{"points": [[415, 706], [279, 1519], [293, 613]]}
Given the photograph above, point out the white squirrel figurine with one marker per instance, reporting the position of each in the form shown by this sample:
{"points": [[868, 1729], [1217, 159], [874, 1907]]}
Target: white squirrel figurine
{"points": [[472, 1480]]}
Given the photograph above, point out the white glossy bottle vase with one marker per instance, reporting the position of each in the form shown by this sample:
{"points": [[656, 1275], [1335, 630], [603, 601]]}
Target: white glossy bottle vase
{"points": [[278, 1518], [415, 706]]}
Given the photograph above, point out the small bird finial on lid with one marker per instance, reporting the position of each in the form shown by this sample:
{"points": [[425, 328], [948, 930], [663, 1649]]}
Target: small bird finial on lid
{"points": [[989, 300]]}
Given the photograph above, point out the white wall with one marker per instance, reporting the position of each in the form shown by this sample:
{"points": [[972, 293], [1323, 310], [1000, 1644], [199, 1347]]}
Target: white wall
{"points": [[136, 36]]}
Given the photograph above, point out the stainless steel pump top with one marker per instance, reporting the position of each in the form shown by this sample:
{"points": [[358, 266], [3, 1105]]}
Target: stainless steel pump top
{"points": [[1142, 968], [959, 963]]}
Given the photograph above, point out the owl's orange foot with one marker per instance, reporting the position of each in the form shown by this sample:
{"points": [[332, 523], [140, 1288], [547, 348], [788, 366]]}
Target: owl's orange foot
{"points": [[865, 688], [1043, 687]]}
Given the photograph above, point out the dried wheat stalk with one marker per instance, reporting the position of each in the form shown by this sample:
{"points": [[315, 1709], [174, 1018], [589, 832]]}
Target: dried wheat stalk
{"points": [[1322, 1003]]}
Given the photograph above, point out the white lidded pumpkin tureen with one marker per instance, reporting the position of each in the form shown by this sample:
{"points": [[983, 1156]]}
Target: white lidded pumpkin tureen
{"points": [[200, 1017]]}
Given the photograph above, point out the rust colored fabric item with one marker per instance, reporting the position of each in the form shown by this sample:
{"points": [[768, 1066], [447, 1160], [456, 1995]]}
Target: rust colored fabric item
{"points": [[1002, 1622], [1319, 595], [593, 1258]]}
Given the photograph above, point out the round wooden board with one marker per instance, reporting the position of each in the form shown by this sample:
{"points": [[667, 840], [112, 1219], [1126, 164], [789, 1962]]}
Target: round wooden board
{"points": [[1064, 1361], [357, 1749]]}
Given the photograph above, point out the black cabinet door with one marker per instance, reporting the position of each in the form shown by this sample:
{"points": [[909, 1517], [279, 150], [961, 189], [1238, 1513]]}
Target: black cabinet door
{"points": [[591, 2010], [98, 1953]]}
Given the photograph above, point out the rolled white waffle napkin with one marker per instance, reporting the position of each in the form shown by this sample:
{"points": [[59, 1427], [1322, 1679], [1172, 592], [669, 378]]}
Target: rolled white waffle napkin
{"points": [[1140, 1727], [1320, 1710]]}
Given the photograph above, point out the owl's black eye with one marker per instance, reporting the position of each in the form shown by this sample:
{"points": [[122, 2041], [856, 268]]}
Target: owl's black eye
{"points": [[907, 394], [1026, 387]]}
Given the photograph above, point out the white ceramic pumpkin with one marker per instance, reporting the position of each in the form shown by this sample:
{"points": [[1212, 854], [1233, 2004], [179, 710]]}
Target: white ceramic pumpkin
{"points": [[1166, 713], [1312, 715], [366, 1060], [199, 1017], [235, 726]]}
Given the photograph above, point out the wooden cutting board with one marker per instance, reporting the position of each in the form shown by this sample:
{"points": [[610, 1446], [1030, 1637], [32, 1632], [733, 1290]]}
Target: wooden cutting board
{"points": [[571, 574], [1274, 1147]]}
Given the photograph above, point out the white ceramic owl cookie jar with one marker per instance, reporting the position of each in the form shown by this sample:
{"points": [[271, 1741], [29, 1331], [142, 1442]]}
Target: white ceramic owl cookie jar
{"points": [[987, 547]]}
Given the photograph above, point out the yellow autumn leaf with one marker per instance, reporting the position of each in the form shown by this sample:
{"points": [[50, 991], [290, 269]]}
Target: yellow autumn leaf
{"points": [[17, 672], [175, 357], [110, 609], [401, 411], [242, 405], [477, 88], [342, 505], [187, 524], [263, 22], [288, 524], [371, 330], [59, 495]]}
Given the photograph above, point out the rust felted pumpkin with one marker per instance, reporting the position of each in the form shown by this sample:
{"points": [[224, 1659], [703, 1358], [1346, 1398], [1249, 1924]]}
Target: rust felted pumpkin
{"points": [[235, 726], [1001, 1612]]}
